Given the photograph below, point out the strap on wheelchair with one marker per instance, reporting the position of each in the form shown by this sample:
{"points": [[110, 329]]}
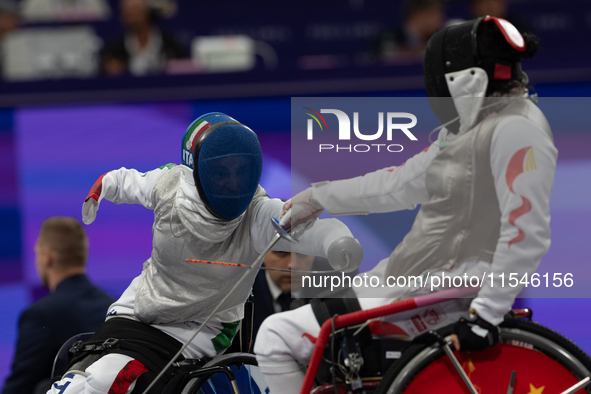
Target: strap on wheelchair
{"points": [[246, 328], [148, 345], [347, 302], [326, 308]]}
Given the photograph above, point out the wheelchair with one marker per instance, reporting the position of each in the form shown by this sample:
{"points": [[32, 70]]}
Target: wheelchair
{"points": [[233, 373], [529, 358]]}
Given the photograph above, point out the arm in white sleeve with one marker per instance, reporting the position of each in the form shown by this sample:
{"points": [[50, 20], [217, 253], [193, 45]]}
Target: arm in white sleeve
{"points": [[385, 190], [125, 186], [122, 186], [523, 162], [314, 242]]}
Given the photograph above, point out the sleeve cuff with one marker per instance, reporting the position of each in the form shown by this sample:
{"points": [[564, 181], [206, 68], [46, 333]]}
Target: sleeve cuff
{"points": [[488, 312]]}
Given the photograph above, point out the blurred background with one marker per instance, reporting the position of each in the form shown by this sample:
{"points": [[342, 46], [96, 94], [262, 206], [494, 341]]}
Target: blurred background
{"points": [[87, 86]]}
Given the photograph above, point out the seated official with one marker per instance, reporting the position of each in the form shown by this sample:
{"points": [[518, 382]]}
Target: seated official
{"points": [[74, 305], [276, 291]]}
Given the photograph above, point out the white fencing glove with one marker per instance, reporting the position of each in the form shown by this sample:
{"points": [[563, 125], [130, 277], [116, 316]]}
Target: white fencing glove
{"points": [[92, 201], [300, 212]]}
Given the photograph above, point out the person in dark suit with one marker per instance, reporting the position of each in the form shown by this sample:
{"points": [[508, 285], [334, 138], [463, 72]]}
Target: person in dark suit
{"points": [[74, 305], [276, 291]]}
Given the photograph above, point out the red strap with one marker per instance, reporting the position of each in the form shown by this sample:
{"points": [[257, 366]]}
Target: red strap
{"points": [[502, 72], [127, 376], [97, 188]]}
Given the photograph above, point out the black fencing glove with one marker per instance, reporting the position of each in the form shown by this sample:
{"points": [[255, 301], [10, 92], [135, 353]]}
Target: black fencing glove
{"points": [[474, 333]]}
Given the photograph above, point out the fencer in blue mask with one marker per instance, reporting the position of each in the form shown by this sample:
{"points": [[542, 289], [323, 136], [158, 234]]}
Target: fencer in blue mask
{"points": [[210, 208]]}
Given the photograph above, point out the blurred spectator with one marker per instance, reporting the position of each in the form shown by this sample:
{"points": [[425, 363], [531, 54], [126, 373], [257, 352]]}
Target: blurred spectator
{"points": [[144, 48], [500, 9], [65, 10], [74, 305], [422, 18], [9, 21], [9, 17]]}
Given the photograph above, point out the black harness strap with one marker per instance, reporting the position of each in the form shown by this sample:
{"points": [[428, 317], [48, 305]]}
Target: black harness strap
{"points": [[148, 345], [325, 308]]}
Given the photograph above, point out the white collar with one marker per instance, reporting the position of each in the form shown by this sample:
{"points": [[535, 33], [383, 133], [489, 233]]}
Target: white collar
{"points": [[273, 288], [276, 290], [468, 91], [154, 43]]}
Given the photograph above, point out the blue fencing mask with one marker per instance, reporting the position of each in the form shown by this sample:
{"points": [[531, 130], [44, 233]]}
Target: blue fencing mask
{"points": [[227, 163]]}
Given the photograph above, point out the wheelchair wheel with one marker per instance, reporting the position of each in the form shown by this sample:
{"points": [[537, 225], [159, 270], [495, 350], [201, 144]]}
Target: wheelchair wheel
{"points": [[544, 362], [249, 378]]}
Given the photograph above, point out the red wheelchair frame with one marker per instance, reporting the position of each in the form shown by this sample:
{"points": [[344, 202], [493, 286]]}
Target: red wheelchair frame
{"points": [[401, 306]]}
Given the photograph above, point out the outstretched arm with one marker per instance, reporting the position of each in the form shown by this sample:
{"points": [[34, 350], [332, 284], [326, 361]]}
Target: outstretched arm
{"points": [[122, 186], [386, 190], [322, 239]]}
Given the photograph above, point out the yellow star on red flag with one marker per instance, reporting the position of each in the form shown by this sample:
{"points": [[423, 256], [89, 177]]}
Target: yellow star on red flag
{"points": [[534, 390]]}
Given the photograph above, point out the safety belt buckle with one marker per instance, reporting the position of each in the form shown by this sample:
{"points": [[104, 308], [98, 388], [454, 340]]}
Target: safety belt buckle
{"points": [[76, 348], [109, 343]]}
